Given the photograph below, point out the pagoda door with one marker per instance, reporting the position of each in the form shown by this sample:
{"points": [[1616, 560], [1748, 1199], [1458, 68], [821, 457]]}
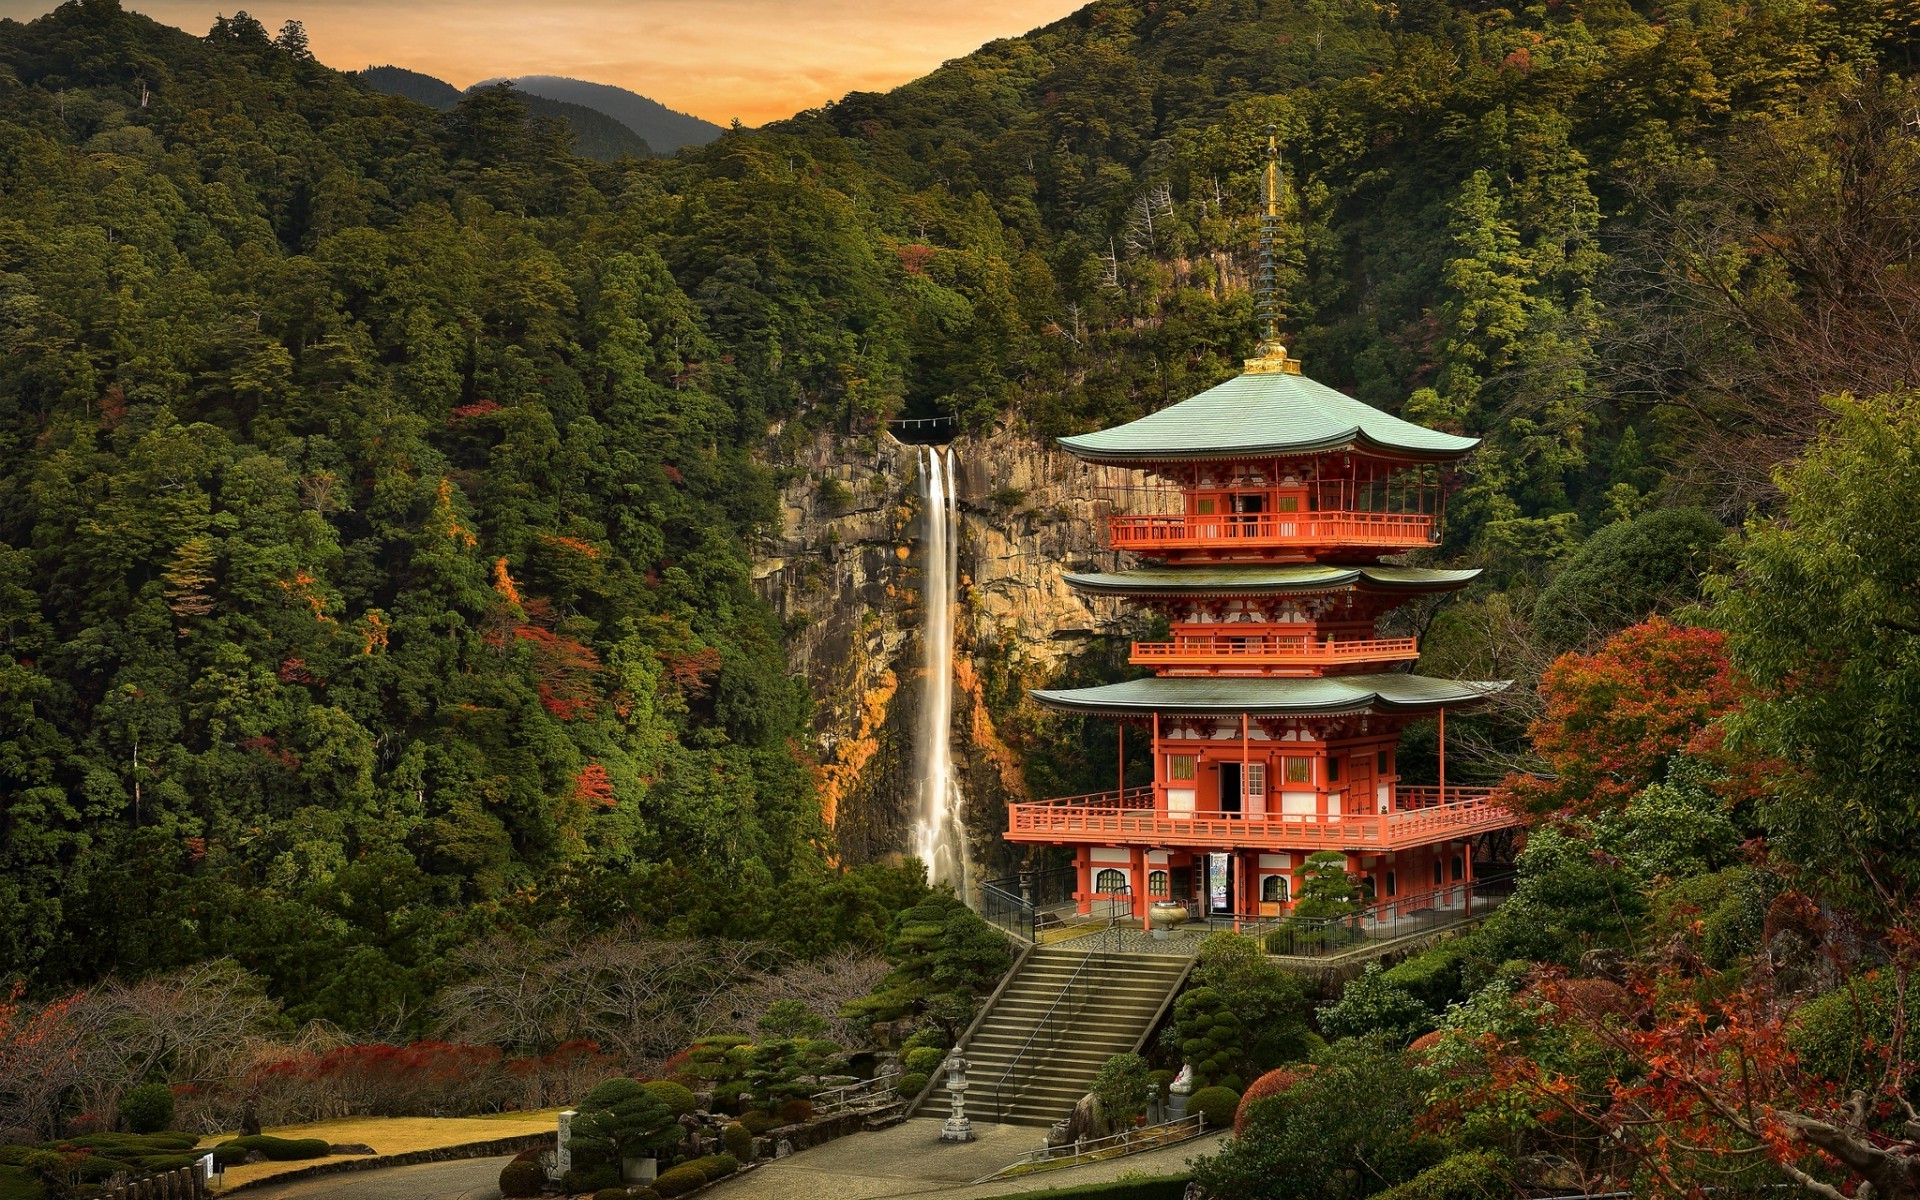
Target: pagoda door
{"points": [[1361, 790]]}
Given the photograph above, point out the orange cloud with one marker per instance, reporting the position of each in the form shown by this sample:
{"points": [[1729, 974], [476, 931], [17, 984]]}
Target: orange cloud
{"points": [[757, 60]]}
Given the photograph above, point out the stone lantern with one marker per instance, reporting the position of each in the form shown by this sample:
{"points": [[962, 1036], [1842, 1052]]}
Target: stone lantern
{"points": [[957, 1128]]}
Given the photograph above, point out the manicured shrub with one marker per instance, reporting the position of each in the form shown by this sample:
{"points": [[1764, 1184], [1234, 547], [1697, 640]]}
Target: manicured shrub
{"points": [[161, 1162], [1216, 1104], [912, 1083], [642, 1193], [923, 1060], [598, 1177], [1475, 1175], [1274, 1082], [679, 1181], [930, 1038], [758, 1122], [229, 1155], [713, 1166], [738, 1140], [609, 1092], [147, 1107], [677, 1097], [520, 1179], [612, 1193], [794, 1111], [133, 1143], [278, 1149]]}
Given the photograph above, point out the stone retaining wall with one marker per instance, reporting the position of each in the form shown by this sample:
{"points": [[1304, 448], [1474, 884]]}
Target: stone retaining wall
{"points": [[492, 1149]]}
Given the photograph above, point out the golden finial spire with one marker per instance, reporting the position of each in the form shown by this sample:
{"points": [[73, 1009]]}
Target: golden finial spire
{"points": [[1270, 357]]}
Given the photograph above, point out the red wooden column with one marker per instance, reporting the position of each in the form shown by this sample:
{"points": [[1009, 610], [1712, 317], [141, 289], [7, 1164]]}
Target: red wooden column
{"points": [[1443, 755], [1083, 894]]}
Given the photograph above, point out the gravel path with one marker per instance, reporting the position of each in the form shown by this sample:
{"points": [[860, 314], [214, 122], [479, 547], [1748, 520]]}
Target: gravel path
{"points": [[911, 1160], [465, 1179]]}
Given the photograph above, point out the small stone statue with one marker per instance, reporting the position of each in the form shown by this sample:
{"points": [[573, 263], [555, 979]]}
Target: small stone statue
{"points": [[1178, 1091]]}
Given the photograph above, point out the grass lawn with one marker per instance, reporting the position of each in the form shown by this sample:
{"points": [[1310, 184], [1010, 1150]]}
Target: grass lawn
{"points": [[388, 1135]]}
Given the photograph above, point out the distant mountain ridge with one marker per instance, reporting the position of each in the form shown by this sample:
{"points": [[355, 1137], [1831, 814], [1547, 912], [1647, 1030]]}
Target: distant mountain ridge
{"points": [[596, 134], [664, 129]]}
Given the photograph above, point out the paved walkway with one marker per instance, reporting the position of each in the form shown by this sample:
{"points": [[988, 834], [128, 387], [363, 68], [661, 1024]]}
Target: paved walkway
{"points": [[465, 1179], [911, 1160]]}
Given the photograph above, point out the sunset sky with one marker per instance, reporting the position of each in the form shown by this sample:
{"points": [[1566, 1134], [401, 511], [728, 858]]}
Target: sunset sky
{"points": [[757, 60]]}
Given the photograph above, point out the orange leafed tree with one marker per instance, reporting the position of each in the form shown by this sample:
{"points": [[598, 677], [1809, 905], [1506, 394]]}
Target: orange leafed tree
{"points": [[1614, 717]]}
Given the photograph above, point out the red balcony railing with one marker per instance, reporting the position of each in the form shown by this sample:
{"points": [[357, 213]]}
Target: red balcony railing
{"points": [[1224, 649], [1181, 531], [1128, 818]]}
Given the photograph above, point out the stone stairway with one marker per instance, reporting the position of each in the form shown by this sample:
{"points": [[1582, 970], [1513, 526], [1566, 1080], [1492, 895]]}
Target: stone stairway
{"points": [[1067, 1011]]}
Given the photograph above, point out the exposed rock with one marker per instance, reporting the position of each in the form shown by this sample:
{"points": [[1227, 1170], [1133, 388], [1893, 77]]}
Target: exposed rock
{"points": [[350, 1148], [844, 573]]}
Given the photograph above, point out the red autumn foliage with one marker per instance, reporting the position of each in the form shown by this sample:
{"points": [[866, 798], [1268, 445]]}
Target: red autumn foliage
{"points": [[914, 258], [1274, 1082], [1614, 717], [479, 408], [692, 673], [294, 670], [1703, 1078], [593, 786]]}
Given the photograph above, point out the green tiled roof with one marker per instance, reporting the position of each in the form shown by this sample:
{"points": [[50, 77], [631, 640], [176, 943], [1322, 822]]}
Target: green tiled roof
{"points": [[1260, 414], [1262, 579], [1333, 695]]}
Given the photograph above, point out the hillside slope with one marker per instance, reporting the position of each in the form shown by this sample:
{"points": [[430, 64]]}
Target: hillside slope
{"points": [[595, 134], [663, 128]]}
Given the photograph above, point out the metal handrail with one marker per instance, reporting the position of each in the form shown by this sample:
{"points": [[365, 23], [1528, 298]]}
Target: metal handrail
{"points": [[1148, 1137], [844, 1097], [1046, 1018]]}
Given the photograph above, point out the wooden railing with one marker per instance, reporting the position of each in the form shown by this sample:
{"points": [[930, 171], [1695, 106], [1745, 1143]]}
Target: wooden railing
{"points": [[1181, 530], [1230, 650], [1467, 811]]}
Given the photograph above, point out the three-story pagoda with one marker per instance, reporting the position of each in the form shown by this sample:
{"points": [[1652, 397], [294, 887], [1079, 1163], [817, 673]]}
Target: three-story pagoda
{"points": [[1276, 706]]}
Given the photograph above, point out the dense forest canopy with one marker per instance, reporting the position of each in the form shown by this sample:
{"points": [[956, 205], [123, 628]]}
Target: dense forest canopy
{"points": [[379, 488]]}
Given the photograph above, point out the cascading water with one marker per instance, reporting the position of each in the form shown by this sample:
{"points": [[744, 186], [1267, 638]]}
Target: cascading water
{"points": [[939, 825]]}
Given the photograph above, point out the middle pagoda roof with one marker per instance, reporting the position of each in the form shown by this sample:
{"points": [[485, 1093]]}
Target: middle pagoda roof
{"points": [[1259, 579], [1265, 414], [1331, 695]]}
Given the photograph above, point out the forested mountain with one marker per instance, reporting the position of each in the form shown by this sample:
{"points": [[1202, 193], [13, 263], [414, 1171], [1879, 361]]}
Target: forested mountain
{"points": [[665, 129], [377, 494], [595, 134], [414, 85]]}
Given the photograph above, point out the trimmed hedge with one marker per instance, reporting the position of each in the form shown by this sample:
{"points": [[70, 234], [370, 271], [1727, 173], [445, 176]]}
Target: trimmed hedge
{"points": [[713, 1166], [147, 1107], [911, 1084], [924, 1060], [1217, 1104], [522, 1178], [279, 1149], [613, 1193], [758, 1122], [739, 1141], [678, 1097], [679, 1181]]}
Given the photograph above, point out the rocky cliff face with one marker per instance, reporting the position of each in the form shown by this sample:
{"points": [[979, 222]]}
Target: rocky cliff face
{"points": [[845, 572]]}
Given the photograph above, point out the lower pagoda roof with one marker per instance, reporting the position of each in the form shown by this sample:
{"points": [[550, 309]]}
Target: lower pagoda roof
{"points": [[1333, 695], [1268, 579]]}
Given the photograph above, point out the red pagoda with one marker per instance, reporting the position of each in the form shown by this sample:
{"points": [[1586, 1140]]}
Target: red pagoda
{"points": [[1276, 706]]}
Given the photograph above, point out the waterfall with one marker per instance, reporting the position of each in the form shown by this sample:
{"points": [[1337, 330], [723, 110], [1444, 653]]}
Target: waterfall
{"points": [[939, 823]]}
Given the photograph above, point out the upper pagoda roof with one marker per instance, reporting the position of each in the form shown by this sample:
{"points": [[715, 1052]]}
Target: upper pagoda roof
{"points": [[1264, 579], [1264, 414], [1267, 696]]}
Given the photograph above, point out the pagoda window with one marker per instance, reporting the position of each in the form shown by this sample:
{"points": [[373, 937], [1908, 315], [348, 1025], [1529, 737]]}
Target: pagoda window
{"points": [[1109, 882], [1286, 504], [1204, 507], [1333, 770], [1439, 873], [1459, 869], [1273, 889], [1383, 761], [1157, 884], [1256, 785], [1393, 884], [1299, 770], [1180, 766]]}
